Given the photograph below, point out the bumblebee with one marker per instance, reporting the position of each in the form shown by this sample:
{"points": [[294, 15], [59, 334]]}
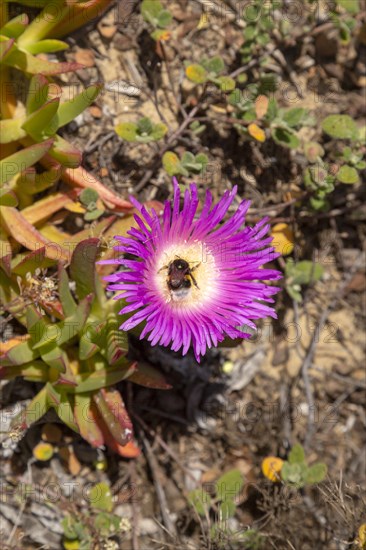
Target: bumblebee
{"points": [[180, 276]]}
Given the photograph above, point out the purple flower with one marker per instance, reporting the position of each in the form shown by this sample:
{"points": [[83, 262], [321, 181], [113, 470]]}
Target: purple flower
{"points": [[194, 281]]}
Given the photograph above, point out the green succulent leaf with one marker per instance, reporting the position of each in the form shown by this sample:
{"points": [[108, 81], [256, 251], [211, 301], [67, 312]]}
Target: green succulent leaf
{"points": [[37, 93], [15, 27], [35, 410], [20, 354], [8, 198], [21, 160], [37, 122], [87, 348], [11, 130], [28, 63], [47, 46], [348, 174], [340, 127], [67, 301], [69, 110], [31, 183], [102, 378], [65, 410]]}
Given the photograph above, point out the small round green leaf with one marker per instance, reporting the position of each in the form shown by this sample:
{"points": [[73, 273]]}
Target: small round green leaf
{"points": [[286, 138], [340, 127], [88, 195], [347, 174], [127, 131], [171, 163], [196, 73], [226, 83], [100, 497]]}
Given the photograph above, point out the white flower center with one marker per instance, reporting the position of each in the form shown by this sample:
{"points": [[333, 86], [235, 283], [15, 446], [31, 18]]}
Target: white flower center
{"points": [[199, 282]]}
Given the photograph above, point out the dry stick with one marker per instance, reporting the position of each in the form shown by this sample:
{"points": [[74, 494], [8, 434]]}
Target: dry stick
{"points": [[163, 445], [171, 82], [311, 349], [154, 467], [133, 477]]}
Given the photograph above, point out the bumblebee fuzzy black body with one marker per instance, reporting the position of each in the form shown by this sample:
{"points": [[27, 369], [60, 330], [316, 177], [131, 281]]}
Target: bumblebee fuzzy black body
{"points": [[180, 278]]}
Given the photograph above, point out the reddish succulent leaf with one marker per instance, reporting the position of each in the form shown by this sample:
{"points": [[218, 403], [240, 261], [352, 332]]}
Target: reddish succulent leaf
{"points": [[40, 211], [65, 153], [113, 412], [37, 93], [30, 261], [82, 267], [86, 417], [79, 177], [148, 376], [28, 63], [23, 232], [22, 159], [79, 14], [5, 259], [126, 451], [15, 26], [5, 48], [115, 403]]}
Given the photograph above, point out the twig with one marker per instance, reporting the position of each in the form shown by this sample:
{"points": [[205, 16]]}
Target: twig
{"points": [[163, 445], [154, 467], [311, 349], [135, 511]]}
